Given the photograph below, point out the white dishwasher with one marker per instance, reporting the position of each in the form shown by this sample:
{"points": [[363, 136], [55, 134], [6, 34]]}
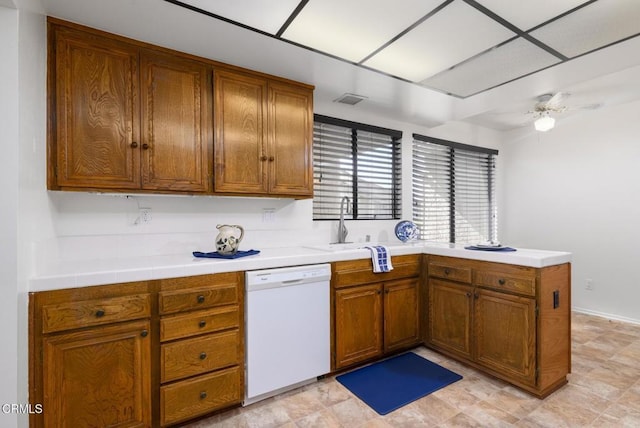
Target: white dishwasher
{"points": [[287, 329]]}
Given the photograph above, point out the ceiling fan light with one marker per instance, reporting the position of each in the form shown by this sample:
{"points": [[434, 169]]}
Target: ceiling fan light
{"points": [[544, 123]]}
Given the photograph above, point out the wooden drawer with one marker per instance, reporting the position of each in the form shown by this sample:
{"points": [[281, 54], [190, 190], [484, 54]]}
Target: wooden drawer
{"points": [[516, 279], [86, 313], [190, 357], [197, 298], [187, 399], [199, 322], [355, 272], [449, 269]]}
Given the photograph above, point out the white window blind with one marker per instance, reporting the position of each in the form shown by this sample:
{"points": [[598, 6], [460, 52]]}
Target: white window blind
{"points": [[454, 191], [359, 161]]}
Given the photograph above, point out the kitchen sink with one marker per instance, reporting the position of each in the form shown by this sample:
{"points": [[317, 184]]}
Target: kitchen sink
{"points": [[355, 245], [339, 246]]}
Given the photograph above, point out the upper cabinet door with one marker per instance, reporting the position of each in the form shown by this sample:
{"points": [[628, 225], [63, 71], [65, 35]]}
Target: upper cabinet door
{"points": [[95, 122], [290, 152], [239, 115], [176, 123]]}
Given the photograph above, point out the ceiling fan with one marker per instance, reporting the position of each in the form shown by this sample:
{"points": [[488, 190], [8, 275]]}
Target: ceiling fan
{"points": [[553, 103]]}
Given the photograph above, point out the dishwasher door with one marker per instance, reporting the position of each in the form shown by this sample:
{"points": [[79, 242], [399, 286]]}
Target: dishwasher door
{"points": [[287, 329]]}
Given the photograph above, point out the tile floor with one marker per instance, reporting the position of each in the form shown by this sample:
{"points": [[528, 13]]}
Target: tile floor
{"points": [[603, 391]]}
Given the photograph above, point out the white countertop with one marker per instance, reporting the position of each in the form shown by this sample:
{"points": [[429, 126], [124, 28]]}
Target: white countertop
{"points": [[99, 272]]}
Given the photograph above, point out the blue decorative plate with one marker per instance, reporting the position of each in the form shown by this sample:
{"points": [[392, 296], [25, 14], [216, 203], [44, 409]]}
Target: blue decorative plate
{"points": [[406, 230]]}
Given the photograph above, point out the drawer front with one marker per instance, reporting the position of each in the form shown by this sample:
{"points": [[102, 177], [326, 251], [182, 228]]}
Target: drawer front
{"points": [[86, 313], [504, 281], [187, 399], [197, 298], [199, 322], [354, 272], [190, 357], [452, 272]]}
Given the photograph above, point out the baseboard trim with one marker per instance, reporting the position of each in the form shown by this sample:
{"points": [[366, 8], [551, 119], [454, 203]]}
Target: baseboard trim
{"points": [[605, 315]]}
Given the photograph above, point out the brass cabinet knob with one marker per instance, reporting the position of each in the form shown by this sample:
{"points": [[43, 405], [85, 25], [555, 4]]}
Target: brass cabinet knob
{"points": [[99, 313], [201, 298], [203, 355], [134, 145], [203, 395], [144, 333], [501, 281], [263, 158], [145, 146], [202, 323]]}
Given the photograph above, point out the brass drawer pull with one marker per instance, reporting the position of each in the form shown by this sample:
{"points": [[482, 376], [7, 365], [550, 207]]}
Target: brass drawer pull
{"points": [[99, 313], [203, 355], [202, 323], [203, 395], [201, 298]]}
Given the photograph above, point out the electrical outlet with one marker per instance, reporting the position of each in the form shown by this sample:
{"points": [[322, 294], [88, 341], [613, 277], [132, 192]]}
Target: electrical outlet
{"points": [[268, 215], [144, 215], [589, 284]]}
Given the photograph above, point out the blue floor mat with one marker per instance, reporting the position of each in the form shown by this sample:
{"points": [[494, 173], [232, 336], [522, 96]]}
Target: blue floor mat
{"points": [[390, 384]]}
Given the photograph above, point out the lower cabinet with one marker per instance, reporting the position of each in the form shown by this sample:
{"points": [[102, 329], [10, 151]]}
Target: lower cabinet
{"points": [[511, 321], [201, 345], [374, 314], [143, 354], [90, 357]]}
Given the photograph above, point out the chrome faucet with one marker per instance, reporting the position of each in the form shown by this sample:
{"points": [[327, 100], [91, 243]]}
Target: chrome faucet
{"points": [[342, 229]]}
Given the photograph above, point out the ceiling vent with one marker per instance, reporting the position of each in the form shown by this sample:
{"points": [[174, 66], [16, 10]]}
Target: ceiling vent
{"points": [[351, 99]]}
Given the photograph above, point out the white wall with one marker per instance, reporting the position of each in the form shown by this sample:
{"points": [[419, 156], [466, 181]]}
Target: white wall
{"points": [[9, 210], [577, 188]]}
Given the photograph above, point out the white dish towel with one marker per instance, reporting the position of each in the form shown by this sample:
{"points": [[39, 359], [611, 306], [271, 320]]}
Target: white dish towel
{"points": [[380, 258]]}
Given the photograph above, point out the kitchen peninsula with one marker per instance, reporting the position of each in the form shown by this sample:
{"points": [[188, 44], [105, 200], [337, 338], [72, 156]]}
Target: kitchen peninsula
{"points": [[507, 314]]}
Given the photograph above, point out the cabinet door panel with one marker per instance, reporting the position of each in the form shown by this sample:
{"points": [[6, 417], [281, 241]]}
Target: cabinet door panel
{"points": [[98, 377], [176, 121], [505, 334], [96, 120], [450, 316], [358, 324], [290, 140], [240, 152], [401, 314]]}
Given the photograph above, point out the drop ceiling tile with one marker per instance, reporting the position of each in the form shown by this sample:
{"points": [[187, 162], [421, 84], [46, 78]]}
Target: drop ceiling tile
{"points": [[447, 38], [526, 14], [264, 15], [492, 68], [594, 26], [353, 29]]}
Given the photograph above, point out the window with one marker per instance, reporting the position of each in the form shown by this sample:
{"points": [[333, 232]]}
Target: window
{"points": [[453, 191], [361, 162]]}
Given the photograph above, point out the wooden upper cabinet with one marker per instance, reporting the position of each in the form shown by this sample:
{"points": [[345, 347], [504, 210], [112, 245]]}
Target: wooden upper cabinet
{"points": [[96, 106], [176, 123], [290, 140], [240, 152], [263, 141], [126, 118]]}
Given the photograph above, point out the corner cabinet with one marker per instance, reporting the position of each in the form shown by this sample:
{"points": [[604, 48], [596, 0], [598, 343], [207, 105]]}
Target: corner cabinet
{"points": [[125, 118], [264, 135], [511, 321], [374, 313]]}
